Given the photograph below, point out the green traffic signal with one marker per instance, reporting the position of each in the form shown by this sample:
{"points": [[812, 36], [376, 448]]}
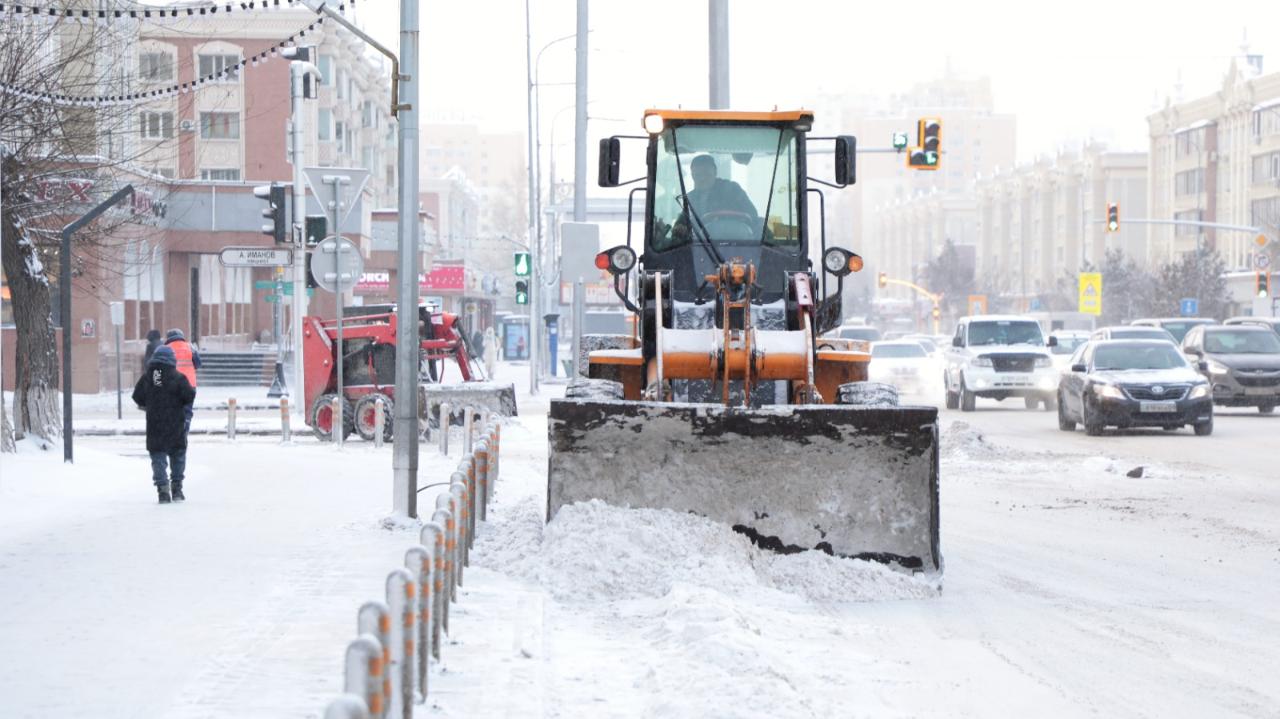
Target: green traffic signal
{"points": [[523, 265]]}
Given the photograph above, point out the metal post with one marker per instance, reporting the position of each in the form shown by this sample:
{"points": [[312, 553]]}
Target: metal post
{"points": [[286, 433], [374, 619], [432, 536], [444, 566], [405, 450], [278, 382], [64, 289], [718, 45], [337, 181], [401, 593], [468, 424], [337, 421], [579, 291], [119, 379], [364, 673], [297, 71], [418, 561], [580, 119], [446, 418], [231, 418], [535, 292]]}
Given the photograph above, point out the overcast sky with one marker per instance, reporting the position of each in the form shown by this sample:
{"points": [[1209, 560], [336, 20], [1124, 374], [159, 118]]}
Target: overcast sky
{"points": [[1069, 71]]}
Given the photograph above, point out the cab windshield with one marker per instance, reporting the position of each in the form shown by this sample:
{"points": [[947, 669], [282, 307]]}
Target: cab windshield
{"points": [[726, 184]]}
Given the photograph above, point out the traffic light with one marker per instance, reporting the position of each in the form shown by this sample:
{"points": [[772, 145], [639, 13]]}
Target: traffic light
{"points": [[277, 212], [899, 141], [883, 280], [1113, 217], [522, 291], [1263, 284], [317, 229], [523, 265], [928, 151], [937, 313]]}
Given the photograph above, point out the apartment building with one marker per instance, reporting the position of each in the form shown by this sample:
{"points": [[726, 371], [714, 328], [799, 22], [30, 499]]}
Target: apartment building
{"points": [[1216, 159]]}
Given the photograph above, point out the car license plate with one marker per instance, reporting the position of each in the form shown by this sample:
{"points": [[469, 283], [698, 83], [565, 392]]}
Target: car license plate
{"points": [[1158, 407], [1259, 390]]}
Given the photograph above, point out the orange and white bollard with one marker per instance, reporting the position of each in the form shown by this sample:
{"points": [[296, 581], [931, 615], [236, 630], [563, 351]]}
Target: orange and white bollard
{"points": [[286, 433], [420, 564], [374, 618], [402, 600], [432, 537], [365, 671], [231, 418]]}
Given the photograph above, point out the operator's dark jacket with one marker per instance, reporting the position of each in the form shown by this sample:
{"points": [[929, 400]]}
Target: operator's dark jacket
{"points": [[164, 393]]}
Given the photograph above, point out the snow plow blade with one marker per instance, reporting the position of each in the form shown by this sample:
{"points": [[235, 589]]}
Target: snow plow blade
{"points": [[858, 482]]}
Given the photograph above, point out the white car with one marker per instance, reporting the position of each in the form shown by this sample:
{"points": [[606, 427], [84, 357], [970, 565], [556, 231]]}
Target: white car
{"points": [[999, 356], [1065, 343], [901, 363]]}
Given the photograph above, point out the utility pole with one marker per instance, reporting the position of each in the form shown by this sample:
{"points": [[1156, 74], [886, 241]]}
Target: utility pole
{"points": [[408, 233], [580, 119], [298, 70], [718, 45], [535, 243]]}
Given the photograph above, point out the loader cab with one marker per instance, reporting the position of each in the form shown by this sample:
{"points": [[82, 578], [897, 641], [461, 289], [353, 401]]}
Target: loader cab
{"points": [[722, 186]]}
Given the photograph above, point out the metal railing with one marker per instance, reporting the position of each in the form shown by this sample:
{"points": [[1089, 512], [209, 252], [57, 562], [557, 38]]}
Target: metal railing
{"points": [[388, 663]]}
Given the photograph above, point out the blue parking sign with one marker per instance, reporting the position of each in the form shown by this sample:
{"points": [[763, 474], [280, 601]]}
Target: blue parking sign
{"points": [[1189, 306]]}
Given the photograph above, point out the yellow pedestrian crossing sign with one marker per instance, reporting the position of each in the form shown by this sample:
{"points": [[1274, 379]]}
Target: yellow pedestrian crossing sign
{"points": [[1091, 293]]}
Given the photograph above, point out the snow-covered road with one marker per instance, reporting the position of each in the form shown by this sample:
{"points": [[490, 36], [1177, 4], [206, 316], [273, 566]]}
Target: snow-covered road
{"points": [[1071, 589]]}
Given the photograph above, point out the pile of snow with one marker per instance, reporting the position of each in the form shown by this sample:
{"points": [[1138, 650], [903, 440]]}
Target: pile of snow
{"points": [[961, 440], [594, 552]]}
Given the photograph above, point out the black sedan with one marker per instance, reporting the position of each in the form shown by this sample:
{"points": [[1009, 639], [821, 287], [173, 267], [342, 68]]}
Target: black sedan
{"points": [[1133, 383]]}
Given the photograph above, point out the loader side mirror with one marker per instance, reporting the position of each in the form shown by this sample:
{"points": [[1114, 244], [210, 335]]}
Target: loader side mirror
{"points": [[846, 160], [610, 162]]}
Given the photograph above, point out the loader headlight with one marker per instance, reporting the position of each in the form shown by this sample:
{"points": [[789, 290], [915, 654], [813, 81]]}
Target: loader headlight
{"points": [[653, 124], [840, 262], [618, 260], [982, 361], [1109, 391], [1198, 391]]}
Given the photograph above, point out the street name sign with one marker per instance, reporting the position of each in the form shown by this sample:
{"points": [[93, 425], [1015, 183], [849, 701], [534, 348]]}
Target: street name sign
{"points": [[255, 256]]}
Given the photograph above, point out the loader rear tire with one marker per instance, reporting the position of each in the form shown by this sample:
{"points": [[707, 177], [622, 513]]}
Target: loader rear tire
{"points": [[585, 388], [365, 414], [321, 417], [868, 394]]}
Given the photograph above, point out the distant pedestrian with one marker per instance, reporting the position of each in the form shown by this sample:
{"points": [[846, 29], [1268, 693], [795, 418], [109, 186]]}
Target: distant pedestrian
{"points": [[154, 340], [188, 362], [166, 395]]}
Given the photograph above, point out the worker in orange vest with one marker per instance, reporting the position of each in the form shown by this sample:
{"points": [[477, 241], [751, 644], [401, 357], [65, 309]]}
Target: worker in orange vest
{"points": [[188, 362]]}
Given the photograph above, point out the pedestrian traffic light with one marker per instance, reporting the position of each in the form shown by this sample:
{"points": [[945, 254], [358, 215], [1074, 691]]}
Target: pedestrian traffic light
{"points": [[1263, 284], [899, 141], [1113, 217], [522, 291], [928, 151], [883, 280], [276, 211], [523, 265]]}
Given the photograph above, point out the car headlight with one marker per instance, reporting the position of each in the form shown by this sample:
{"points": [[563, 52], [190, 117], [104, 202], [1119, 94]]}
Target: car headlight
{"points": [[1218, 368], [981, 362], [1198, 391], [1109, 391], [1042, 362]]}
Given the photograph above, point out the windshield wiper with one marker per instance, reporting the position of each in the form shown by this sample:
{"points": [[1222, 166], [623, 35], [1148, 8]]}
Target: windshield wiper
{"points": [[689, 212]]}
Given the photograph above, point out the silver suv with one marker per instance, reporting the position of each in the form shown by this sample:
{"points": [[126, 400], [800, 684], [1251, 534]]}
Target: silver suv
{"points": [[1241, 362], [999, 356]]}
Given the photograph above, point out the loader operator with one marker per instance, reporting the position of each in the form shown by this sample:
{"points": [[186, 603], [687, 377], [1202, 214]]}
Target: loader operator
{"points": [[714, 199]]}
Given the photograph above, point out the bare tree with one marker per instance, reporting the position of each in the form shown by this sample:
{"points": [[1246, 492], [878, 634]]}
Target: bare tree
{"points": [[63, 146]]}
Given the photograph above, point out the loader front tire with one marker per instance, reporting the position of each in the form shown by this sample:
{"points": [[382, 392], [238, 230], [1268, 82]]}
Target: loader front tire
{"points": [[322, 418], [867, 394]]}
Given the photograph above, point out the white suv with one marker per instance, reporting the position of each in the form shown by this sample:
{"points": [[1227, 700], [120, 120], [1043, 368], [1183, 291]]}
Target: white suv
{"points": [[999, 356]]}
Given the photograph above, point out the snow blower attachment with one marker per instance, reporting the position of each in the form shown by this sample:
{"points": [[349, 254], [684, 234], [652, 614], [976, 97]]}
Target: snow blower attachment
{"points": [[726, 404]]}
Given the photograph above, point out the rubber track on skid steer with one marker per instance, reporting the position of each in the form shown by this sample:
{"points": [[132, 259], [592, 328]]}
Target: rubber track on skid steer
{"points": [[857, 482]]}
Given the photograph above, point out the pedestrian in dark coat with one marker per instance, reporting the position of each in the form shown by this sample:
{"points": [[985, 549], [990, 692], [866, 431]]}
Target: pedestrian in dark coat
{"points": [[166, 395], [154, 340]]}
